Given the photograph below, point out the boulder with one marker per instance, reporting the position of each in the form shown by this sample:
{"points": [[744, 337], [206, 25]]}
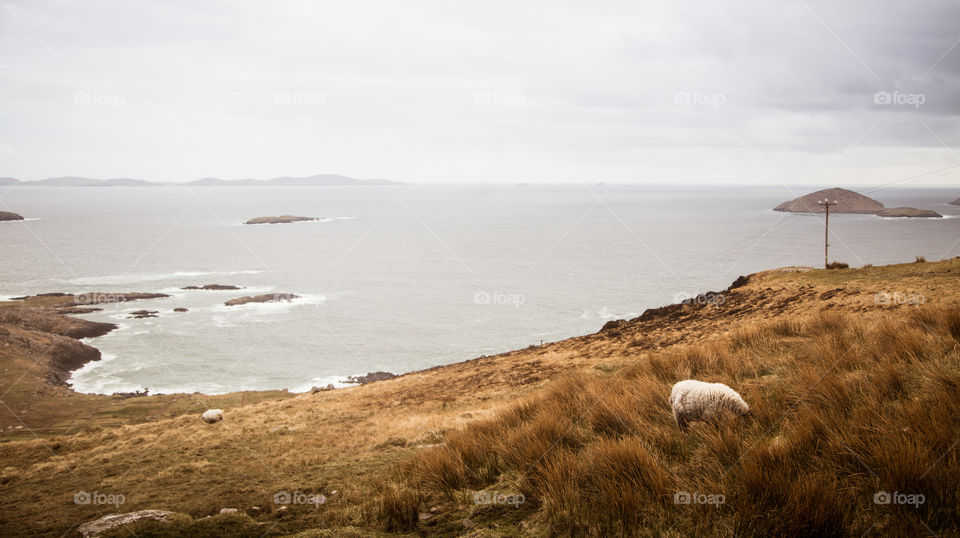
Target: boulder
{"points": [[847, 202], [110, 521], [180, 309], [213, 287]]}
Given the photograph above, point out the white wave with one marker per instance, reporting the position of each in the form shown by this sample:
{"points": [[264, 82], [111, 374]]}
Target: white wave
{"points": [[221, 321], [336, 381], [134, 277], [605, 314]]}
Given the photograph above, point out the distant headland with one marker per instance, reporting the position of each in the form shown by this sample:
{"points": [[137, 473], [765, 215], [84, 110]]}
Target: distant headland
{"points": [[320, 180]]}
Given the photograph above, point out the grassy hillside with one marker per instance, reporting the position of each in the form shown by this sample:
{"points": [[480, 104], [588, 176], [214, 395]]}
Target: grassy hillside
{"points": [[843, 409], [852, 375]]}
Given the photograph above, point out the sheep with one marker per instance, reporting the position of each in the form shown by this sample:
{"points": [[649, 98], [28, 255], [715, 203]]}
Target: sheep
{"points": [[212, 415], [696, 400]]}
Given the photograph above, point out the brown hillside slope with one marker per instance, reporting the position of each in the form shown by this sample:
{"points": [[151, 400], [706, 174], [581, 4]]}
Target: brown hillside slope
{"points": [[347, 441]]}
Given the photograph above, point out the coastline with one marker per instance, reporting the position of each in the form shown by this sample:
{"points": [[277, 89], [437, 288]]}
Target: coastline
{"points": [[54, 338], [344, 442]]}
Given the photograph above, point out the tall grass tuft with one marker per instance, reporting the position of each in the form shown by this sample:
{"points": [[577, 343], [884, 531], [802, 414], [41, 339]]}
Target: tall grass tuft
{"points": [[842, 410]]}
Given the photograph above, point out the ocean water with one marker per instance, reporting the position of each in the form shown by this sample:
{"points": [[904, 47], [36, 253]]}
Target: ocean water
{"points": [[407, 277]]}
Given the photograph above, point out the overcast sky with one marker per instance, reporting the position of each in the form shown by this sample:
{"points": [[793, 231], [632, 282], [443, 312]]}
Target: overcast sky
{"points": [[758, 92]]}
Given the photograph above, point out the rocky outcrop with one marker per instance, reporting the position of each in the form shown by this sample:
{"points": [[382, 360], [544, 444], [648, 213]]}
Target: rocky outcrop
{"points": [[370, 378], [265, 298], [89, 298], [52, 338], [105, 523], [7, 215], [282, 219], [180, 309], [847, 202], [140, 314], [955, 202], [909, 212], [47, 321], [213, 287]]}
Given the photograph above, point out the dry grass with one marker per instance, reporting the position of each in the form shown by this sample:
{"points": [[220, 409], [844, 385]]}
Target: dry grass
{"points": [[843, 408]]}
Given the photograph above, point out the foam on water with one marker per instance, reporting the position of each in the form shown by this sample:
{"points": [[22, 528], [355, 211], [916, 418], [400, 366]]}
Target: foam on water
{"points": [[104, 280]]}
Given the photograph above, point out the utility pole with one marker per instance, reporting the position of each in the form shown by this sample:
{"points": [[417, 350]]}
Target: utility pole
{"points": [[826, 232]]}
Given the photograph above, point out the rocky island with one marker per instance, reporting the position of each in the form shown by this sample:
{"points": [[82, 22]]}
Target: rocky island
{"points": [[282, 219], [8, 215], [216, 287], [265, 298], [847, 202], [909, 212], [955, 202]]}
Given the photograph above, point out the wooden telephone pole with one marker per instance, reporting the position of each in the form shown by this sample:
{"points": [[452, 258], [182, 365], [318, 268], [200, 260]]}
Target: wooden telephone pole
{"points": [[826, 232]]}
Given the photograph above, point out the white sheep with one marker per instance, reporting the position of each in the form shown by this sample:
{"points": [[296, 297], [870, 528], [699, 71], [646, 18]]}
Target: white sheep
{"points": [[696, 400], [212, 415]]}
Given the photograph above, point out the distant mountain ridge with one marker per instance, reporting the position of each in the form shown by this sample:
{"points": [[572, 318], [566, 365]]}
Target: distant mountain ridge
{"points": [[320, 180]]}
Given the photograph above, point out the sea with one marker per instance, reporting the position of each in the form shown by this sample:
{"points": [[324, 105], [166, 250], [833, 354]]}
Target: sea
{"points": [[406, 277]]}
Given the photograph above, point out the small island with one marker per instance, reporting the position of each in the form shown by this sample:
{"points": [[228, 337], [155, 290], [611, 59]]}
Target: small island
{"points": [[847, 202], [265, 298], [282, 219], [9, 215], [909, 212], [955, 202], [215, 287]]}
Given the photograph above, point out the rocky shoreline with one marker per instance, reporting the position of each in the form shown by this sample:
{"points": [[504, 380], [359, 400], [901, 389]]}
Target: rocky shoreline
{"points": [[47, 316]]}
